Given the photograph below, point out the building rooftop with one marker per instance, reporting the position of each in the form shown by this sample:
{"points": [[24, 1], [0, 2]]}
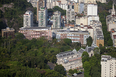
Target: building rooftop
{"points": [[8, 29], [35, 28], [67, 53]]}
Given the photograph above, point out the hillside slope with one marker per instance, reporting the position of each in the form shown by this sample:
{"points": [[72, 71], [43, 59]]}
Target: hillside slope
{"points": [[11, 13]]}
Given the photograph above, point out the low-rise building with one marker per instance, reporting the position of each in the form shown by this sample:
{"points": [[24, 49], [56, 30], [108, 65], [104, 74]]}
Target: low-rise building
{"points": [[8, 32], [72, 59], [75, 36], [36, 32], [108, 66]]}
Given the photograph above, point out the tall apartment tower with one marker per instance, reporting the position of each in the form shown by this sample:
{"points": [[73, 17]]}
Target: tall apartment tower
{"points": [[108, 66], [42, 21], [28, 19], [56, 20], [40, 3], [70, 15]]}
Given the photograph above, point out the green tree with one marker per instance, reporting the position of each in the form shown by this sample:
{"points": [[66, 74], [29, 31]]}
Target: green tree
{"points": [[60, 69], [87, 68], [19, 36], [89, 41], [85, 57], [67, 41]]}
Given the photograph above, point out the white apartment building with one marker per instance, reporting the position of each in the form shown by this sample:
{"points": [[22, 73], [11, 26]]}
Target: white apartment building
{"points": [[42, 17], [108, 66], [70, 15], [81, 20], [28, 19], [91, 18], [56, 20], [92, 9]]}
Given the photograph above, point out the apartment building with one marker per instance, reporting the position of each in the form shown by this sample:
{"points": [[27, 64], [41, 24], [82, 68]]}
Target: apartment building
{"points": [[108, 66], [70, 15], [28, 19], [75, 36], [81, 20], [8, 32], [56, 20], [98, 37], [76, 7], [42, 17], [92, 9], [36, 32], [40, 3]]}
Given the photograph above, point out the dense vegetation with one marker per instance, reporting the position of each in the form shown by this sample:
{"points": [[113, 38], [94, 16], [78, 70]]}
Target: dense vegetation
{"points": [[56, 8], [103, 12], [91, 65], [89, 41], [11, 13], [19, 55]]}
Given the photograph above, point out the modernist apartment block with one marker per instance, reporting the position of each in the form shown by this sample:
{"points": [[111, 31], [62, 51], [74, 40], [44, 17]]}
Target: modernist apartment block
{"points": [[28, 19], [75, 36], [92, 9], [56, 20], [8, 32], [70, 15], [36, 32], [42, 21], [40, 3], [108, 66]]}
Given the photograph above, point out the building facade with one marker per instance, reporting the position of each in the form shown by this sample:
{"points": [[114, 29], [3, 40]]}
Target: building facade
{"points": [[42, 17], [40, 3], [69, 59], [75, 36], [92, 9], [8, 32], [36, 32], [28, 19], [70, 15], [72, 59], [98, 37], [56, 20], [108, 66]]}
